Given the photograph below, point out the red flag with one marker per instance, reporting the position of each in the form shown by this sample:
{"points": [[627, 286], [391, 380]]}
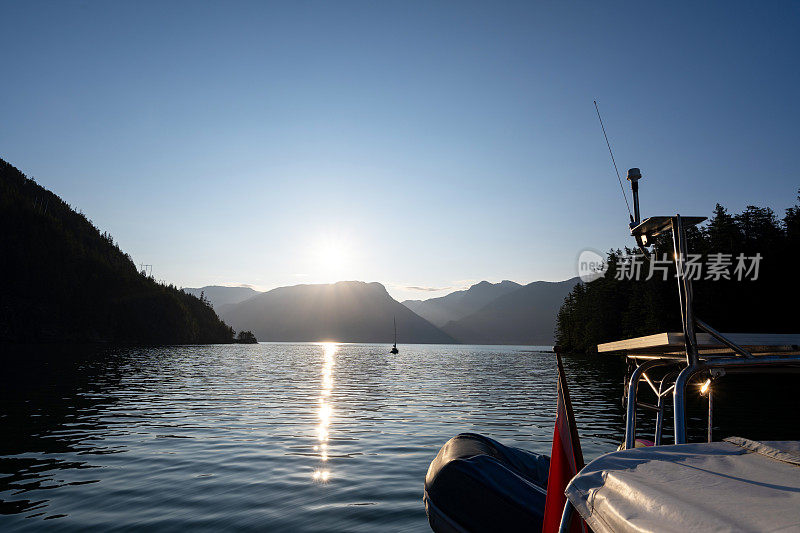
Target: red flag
{"points": [[566, 459]]}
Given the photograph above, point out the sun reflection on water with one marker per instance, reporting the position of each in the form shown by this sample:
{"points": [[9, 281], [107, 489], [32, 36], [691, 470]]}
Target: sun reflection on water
{"points": [[325, 412]]}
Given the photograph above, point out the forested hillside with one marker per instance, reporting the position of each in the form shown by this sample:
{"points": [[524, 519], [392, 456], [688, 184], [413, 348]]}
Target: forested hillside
{"points": [[64, 281], [611, 309]]}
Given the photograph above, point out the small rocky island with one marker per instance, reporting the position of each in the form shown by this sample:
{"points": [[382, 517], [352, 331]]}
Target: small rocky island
{"points": [[246, 337]]}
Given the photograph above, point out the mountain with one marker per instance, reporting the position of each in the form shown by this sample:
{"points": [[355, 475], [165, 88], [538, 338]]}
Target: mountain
{"points": [[220, 296], [459, 304], [347, 311], [524, 316], [64, 281]]}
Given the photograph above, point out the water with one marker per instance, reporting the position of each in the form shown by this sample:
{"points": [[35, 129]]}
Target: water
{"points": [[300, 437]]}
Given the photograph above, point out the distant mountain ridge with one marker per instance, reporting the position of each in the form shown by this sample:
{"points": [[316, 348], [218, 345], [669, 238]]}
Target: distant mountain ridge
{"points": [[524, 316], [220, 295], [459, 304], [347, 311], [355, 311]]}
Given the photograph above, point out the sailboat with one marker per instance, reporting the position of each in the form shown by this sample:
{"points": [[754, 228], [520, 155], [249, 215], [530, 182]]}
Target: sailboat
{"points": [[394, 348]]}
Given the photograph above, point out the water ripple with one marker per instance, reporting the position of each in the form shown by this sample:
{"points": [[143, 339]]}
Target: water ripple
{"points": [[301, 437]]}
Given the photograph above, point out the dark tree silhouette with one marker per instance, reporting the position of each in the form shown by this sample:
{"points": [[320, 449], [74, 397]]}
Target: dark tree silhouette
{"points": [[65, 281], [246, 337], [609, 309]]}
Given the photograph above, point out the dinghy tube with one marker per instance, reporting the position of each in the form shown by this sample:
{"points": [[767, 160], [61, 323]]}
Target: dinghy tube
{"points": [[477, 484]]}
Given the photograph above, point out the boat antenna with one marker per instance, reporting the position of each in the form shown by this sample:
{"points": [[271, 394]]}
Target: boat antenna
{"points": [[625, 196]]}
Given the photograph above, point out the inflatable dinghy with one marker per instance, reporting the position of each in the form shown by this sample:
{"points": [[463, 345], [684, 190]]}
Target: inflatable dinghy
{"points": [[477, 484]]}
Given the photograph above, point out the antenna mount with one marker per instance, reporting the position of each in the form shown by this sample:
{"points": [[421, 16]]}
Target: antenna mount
{"points": [[634, 175]]}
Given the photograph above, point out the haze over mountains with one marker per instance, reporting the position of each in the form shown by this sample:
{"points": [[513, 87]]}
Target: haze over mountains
{"points": [[354, 311], [524, 316], [347, 311], [458, 304], [221, 296]]}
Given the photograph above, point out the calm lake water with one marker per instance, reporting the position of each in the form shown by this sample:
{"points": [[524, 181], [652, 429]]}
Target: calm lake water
{"points": [[294, 437]]}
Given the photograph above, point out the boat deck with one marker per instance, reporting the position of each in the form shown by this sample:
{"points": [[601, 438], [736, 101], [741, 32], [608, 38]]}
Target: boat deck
{"points": [[734, 485], [672, 345]]}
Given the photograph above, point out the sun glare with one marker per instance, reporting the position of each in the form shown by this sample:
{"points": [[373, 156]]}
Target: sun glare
{"points": [[332, 259], [325, 412], [333, 254]]}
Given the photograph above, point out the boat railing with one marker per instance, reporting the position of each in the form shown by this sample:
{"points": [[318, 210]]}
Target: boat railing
{"points": [[667, 362]]}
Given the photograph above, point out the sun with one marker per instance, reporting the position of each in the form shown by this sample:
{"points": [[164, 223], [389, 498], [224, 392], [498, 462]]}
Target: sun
{"points": [[333, 255]]}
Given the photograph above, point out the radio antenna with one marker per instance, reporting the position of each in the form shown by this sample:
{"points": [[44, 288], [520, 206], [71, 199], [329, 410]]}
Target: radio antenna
{"points": [[613, 161]]}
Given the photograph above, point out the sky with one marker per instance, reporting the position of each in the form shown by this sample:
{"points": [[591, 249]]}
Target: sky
{"points": [[425, 145]]}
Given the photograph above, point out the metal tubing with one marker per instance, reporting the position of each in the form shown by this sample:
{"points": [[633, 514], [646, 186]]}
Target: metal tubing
{"points": [[684, 290], [650, 382], [633, 384], [659, 421], [678, 269], [678, 395], [755, 362], [721, 338], [679, 402], [566, 517], [689, 293], [645, 405], [710, 414], [662, 395]]}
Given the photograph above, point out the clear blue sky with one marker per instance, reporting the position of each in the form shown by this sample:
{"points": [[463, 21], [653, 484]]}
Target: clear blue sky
{"points": [[424, 144]]}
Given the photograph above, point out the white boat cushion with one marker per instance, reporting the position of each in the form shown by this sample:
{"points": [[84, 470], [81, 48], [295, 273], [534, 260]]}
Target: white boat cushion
{"points": [[734, 485]]}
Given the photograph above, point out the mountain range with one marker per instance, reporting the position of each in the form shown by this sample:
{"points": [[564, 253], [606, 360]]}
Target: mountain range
{"points": [[355, 311], [458, 304], [524, 316], [220, 296], [347, 311]]}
